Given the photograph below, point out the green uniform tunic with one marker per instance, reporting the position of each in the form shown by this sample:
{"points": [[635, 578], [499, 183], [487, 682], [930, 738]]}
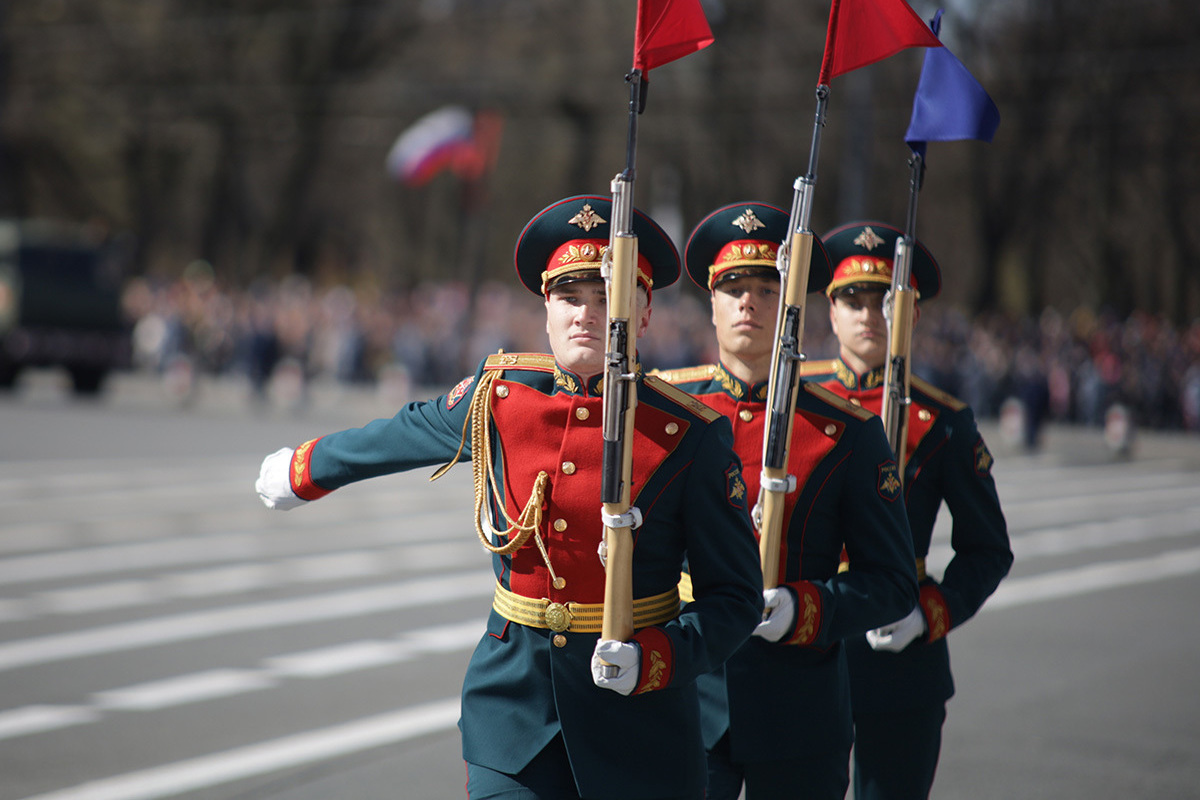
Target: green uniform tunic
{"points": [[526, 685], [792, 698], [947, 461]]}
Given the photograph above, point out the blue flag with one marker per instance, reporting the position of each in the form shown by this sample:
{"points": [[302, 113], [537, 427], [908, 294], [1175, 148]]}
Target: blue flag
{"points": [[949, 104]]}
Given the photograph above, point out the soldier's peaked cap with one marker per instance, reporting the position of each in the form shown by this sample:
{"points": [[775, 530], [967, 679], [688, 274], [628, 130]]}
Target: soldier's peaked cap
{"points": [[743, 239], [862, 254], [567, 240]]}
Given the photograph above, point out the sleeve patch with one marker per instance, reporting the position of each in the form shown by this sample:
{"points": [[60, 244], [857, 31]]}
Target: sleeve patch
{"points": [[735, 487], [889, 481], [937, 615], [458, 392], [983, 458], [657, 660], [808, 613], [301, 473]]}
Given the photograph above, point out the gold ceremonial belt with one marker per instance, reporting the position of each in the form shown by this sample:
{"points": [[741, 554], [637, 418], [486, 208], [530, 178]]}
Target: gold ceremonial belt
{"points": [[580, 617]]}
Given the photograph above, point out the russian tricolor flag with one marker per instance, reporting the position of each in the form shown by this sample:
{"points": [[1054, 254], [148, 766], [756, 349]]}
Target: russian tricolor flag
{"points": [[442, 139]]}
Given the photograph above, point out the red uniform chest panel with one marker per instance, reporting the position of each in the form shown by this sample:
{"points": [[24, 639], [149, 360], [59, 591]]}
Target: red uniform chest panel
{"points": [[561, 435], [813, 438], [920, 417]]}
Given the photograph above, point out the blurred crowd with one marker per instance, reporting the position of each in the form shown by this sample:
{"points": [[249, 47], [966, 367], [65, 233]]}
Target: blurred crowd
{"points": [[1065, 368]]}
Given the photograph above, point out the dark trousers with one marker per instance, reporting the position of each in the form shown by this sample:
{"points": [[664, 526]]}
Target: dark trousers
{"points": [[547, 777], [817, 776], [896, 755]]}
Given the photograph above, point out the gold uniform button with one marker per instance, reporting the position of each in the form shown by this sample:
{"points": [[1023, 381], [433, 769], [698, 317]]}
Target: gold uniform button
{"points": [[854, 401], [501, 391], [568, 468], [746, 414], [560, 640], [830, 430], [672, 428], [560, 583], [924, 415], [582, 413], [560, 525]]}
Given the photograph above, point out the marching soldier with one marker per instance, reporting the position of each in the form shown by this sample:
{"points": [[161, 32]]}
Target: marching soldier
{"points": [[541, 716], [777, 718], [900, 673]]}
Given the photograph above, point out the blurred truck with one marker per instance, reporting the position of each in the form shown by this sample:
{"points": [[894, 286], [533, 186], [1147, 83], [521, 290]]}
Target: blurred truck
{"points": [[60, 303]]}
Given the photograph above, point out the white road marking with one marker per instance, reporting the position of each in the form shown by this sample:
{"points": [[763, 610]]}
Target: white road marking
{"points": [[174, 779], [1093, 578], [183, 689], [336, 660], [204, 624], [210, 684], [38, 719]]}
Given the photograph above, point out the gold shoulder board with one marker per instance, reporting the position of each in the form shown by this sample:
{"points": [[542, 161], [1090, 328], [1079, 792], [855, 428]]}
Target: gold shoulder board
{"points": [[837, 401], [822, 367], [682, 398], [685, 374], [542, 362], [945, 398]]}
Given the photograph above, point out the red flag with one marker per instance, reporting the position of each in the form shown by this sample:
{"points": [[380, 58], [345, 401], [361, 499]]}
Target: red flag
{"points": [[862, 32], [667, 30]]}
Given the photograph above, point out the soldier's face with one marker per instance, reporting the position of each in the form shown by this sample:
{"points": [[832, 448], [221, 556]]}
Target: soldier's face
{"points": [[744, 314], [860, 328], [576, 315]]}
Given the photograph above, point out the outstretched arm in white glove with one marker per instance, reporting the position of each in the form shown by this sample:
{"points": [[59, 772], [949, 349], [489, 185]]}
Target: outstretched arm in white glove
{"points": [[897, 636], [274, 484], [625, 656], [779, 614]]}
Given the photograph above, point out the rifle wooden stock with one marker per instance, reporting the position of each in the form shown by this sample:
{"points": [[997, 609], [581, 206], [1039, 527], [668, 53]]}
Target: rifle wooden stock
{"points": [[620, 404], [783, 388]]}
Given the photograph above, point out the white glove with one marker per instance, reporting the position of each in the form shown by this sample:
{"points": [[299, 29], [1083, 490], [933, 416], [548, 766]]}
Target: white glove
{"points": [[898, 635], [625, 656], [274, 482], [779, 614]]}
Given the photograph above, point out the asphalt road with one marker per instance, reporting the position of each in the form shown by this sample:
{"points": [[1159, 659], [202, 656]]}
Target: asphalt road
{"points": [[163, 635]]}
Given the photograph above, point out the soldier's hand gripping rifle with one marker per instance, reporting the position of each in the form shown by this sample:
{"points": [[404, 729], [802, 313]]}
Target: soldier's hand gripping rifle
{"points": [[783, 385], [899, 308]]}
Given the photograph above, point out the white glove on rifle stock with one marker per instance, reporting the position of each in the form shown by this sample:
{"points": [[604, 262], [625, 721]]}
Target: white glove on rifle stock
{"points": [[779, 614], [625, 656], [899, 635], [274, 484]]}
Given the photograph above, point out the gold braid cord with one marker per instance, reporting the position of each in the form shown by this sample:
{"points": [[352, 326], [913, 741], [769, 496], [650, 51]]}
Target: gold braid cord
{"points": [[527, 524]]}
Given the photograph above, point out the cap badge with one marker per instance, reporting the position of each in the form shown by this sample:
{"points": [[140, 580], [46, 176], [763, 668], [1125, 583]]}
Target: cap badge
{"points": [[582, 252], [748, 221], [868, 239], [586, 218]]}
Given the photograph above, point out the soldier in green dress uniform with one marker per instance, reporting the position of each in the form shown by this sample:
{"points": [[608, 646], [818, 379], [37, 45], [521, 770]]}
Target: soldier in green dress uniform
{"points": [[540, 719], [777, 717], [900, 673]]}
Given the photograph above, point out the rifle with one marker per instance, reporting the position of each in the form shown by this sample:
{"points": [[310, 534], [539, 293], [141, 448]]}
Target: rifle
{"points": [[783, 385], [898, 309], [664, 32], [619, 270]]}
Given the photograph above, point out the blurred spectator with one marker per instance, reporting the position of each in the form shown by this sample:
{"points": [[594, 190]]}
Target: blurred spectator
{"points": [[1064, 368]]}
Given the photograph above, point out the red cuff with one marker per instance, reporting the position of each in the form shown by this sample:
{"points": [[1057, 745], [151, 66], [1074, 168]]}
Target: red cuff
{"points": [[808, 613], [658, 660], [937, 615], [301, 473]]}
